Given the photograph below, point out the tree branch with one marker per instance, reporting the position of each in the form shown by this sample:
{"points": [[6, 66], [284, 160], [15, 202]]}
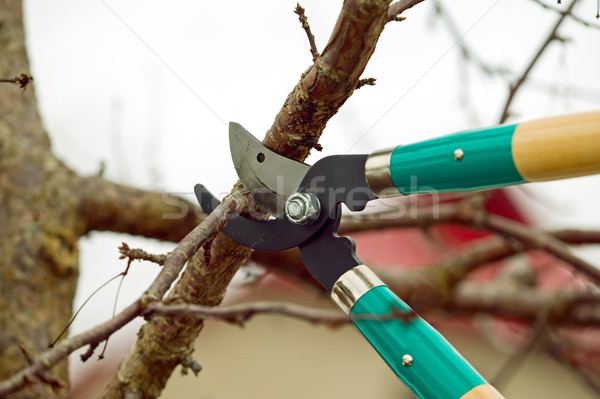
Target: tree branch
{"points": [[330, 81], [566, 309], [533, 238], [514, 88], [108, 206], [570, 15], [140, 254], [399, 7], [174, 262], [479, 252], [526, 303], [241, 313]]}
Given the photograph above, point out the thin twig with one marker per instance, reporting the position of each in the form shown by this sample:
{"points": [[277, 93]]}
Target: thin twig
{"points": [[23, 80], [66, 328], [140, 254], [512, 365], [572, 16], [242, 313], [467, 53], [514, 88], [304, 21]]}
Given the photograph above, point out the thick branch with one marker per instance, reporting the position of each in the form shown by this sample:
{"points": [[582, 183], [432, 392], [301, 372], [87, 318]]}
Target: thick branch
{"points": [[107, 206], [330, 81], [526, 303]]}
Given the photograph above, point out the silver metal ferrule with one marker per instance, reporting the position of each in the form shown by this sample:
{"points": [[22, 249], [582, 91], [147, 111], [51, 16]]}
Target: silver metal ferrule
{"points": [[352, 285], [378, 175]]}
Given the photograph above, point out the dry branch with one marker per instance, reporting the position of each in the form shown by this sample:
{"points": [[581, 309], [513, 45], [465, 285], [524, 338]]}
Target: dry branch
{"points": [[570, 15], [514, 87], [242, 313]]}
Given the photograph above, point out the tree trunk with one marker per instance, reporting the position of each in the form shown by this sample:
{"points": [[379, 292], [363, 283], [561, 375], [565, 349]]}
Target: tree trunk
{"points": [[38, 228]]}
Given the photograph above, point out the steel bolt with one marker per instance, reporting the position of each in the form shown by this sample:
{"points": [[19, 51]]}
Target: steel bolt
{"points": [[459, 154], [302, 208]]}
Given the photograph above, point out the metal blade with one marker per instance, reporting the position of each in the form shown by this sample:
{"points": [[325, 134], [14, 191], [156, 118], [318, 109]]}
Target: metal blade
{"points": [[271, 178]]}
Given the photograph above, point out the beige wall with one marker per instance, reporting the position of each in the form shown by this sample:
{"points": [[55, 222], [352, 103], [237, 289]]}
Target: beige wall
{"points": [[273, 357]]}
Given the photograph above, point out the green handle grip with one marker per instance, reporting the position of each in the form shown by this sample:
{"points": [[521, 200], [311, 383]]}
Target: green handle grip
{"points": [[546, 149], [419, 355]]}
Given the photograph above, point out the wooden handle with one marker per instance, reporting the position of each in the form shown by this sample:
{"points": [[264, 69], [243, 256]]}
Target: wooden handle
{"points": [[558, 147], [497, 156], [483, 392]]}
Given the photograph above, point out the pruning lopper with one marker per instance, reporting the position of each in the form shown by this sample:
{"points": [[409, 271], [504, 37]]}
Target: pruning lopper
{"points": [[305, 204]]}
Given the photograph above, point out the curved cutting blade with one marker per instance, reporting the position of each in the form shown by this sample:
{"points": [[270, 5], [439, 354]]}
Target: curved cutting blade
{"points": [[270, 177]]}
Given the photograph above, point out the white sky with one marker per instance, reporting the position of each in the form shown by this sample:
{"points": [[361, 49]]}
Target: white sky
{"points": [[148, 88]]}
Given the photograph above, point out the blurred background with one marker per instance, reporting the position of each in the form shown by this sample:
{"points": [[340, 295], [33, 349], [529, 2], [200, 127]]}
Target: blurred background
{"points": [[144, 90]]}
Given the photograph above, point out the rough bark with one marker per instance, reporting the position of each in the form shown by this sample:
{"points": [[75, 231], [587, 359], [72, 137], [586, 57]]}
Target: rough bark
{"points": [[108, 206], [44, 209], [38, 226], [330, 81]]}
